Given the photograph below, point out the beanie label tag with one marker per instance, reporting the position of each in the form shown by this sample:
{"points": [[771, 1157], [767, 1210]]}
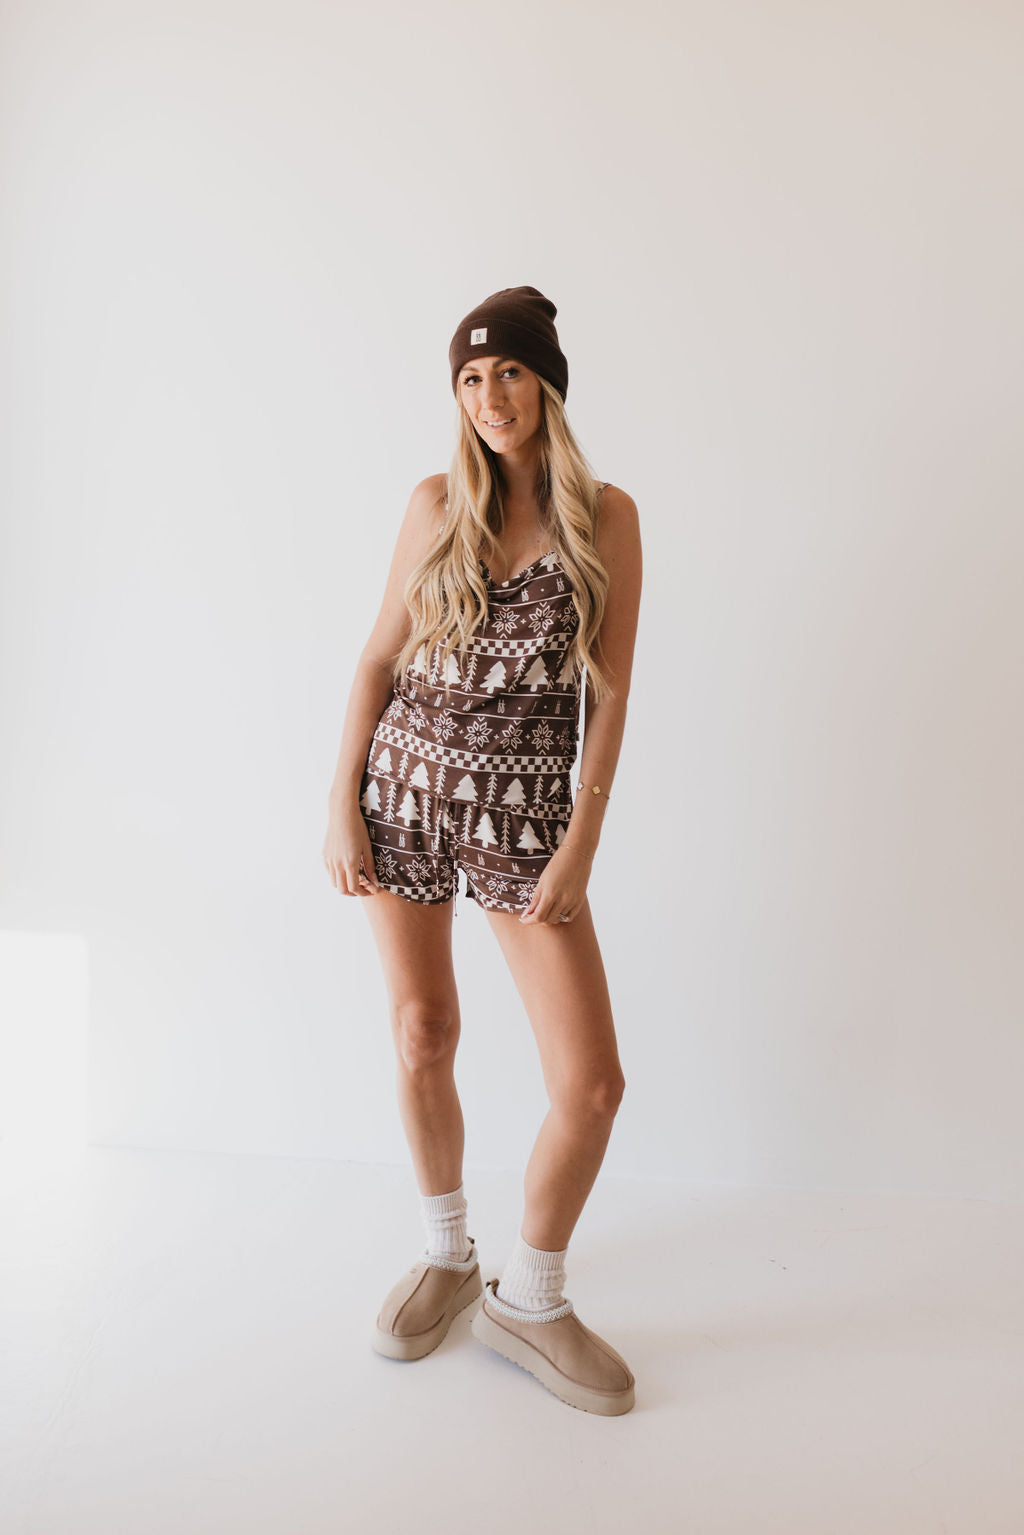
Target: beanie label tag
{"points": [[477, 336]]}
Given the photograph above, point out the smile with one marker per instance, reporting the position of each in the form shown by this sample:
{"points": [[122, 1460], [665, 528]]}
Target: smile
{"points": [[496, 424]]}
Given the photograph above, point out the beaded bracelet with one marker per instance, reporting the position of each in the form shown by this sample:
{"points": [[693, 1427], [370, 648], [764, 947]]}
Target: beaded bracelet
{"points": [[594, 789]]}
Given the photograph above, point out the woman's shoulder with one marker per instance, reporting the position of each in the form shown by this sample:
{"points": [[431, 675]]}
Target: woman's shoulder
{"points": [[429, 503], [618, 522], [615, 504]]}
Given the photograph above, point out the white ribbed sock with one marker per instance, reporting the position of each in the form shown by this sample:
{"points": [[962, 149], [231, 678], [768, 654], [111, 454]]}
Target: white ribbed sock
{"points": [[444, 1217], [533, 1277]]}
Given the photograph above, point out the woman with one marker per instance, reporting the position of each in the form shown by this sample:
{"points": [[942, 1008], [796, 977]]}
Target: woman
{"points": [[510, 575]]}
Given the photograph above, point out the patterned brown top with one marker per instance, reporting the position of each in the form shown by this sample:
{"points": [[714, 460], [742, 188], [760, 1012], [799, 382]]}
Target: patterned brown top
{"points": [[483, 774]]}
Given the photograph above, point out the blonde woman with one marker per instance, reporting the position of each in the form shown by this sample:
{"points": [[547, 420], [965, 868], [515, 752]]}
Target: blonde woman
{"points": [[511, 575]]}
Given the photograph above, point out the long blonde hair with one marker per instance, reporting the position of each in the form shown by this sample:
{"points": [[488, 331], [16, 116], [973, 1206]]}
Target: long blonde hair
{"points": [[446, 593]]}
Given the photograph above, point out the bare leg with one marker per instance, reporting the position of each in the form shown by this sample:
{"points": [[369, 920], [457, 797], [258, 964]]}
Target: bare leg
{"points": [[414, 941], [559, 973]]}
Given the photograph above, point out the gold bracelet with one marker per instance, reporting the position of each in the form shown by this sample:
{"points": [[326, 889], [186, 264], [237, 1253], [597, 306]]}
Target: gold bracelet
{"points": [[594, 789]]}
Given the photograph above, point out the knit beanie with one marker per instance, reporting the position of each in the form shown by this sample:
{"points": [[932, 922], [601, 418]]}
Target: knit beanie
{"points": [[514, 322]]}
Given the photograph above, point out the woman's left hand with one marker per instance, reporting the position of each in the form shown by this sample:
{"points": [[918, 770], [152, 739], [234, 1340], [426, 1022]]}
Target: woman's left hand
{"points": [[561, 888]]}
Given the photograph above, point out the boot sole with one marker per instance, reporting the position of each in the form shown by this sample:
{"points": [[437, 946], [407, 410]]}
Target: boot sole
{"points": [[519, 1352], [422, 1343]]}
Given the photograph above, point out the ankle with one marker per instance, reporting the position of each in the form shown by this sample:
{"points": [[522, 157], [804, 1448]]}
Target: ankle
{"points": [[533, 1277], [444, 1219]]}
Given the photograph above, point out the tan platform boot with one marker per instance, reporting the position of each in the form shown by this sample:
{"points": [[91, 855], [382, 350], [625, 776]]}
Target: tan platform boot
{"points": [[555, 1346], [419, 1309]]}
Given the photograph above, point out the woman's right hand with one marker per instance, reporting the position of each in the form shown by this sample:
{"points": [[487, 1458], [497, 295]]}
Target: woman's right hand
{"points": [[348, 852]]}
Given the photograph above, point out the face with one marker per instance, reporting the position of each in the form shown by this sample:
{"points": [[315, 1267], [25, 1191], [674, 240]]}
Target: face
{"points": [[497, 390]]}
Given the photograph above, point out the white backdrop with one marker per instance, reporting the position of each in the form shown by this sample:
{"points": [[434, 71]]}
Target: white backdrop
{"points": [[785, 245]]}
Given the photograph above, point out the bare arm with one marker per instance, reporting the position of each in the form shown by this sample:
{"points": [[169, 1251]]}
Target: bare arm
{"points": [[619, 545], [372, 683], [347, 850]]}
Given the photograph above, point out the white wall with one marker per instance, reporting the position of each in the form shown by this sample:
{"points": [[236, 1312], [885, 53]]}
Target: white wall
{"points": [[785, 243]]}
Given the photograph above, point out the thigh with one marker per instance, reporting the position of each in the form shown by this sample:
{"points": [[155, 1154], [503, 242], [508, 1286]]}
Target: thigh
{"points": [[560, 976], [414, 942]]}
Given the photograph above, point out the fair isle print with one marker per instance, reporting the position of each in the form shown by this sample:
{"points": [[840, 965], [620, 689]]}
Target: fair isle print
{"points": [[480, 779]]}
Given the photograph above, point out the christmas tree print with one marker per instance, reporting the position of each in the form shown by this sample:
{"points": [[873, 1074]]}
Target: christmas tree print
{"points": [[514, 794], [485, 833], [452, 673], [427, 802], [537, 676], [389, 807], [383, 764], [529, 841], [439, 780], [538, 791], [419, 665], [371, 799], [420, 778], [567, 675], [559, 834], [546, 829], [555, 789], [403, 765], [470, 673], [504, 835], [495, 678], [467, 822], [492, 789], [407, 810], [465, 788]]}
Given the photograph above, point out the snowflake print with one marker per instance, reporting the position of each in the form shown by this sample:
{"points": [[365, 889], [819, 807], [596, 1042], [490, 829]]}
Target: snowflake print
{"points": [[419, 870], [416, 717], [444, 725], [387, 868], [478, 735], [526, 889], [542, 617], [505, 621], [513, 736], [542, 736], [497, 885], [394, 709]]}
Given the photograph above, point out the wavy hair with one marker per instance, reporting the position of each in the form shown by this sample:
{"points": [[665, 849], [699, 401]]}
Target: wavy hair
{"points": [[446, 593]]}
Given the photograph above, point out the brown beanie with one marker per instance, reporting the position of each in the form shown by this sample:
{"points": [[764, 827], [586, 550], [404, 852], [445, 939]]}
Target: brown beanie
{"points": [[514, 322]]}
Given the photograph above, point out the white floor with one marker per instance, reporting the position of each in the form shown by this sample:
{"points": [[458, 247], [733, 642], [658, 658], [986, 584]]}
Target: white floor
{"points": [[186, 1350]]}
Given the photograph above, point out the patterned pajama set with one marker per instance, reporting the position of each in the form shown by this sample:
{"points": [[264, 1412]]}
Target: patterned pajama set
{"points": [[481, 779]]}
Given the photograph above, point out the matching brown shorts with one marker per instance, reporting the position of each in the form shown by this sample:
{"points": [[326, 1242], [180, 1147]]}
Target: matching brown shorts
{"points": [[419, 847]]}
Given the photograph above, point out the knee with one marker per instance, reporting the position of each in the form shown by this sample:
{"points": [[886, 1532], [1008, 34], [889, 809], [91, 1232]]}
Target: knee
{"points": [[425, 1034], [599, 1097]]}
